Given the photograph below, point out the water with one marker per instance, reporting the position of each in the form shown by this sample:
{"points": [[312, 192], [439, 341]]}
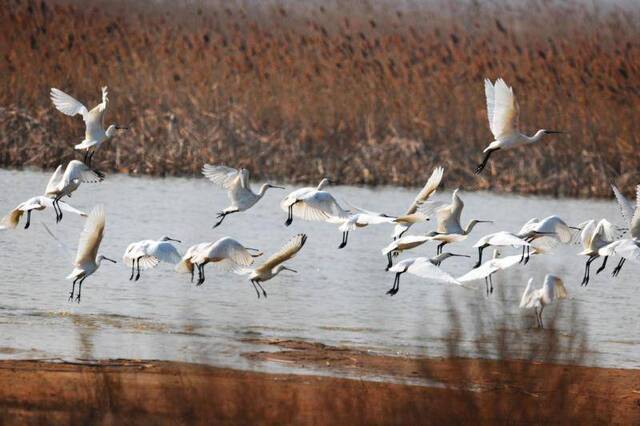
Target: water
{"points": [[338, 297]]}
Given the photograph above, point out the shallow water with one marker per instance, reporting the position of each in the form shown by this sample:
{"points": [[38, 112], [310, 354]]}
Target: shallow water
{"points": [[338, 296]]}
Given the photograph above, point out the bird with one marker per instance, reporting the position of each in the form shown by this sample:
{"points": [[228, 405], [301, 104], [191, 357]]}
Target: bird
{"points": [[41, 202], [94, 120], [594, 237], [87, 259], [503, 114], [552, 289], [448, 228], [226, 253], [313, 204], [148, 253], [627, 248], [488, 268], [238, 186], [545, 234], [412, 215], [423, 267], [361, 219], [406, 242], [61, 184], [498, 239], [273, 265]]}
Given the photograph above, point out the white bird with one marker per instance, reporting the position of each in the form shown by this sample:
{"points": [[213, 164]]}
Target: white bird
{"points": [[594, 237], [61, 184], [11, 220], [238, 187], [546, 233], [448, 228], [406, 242], [87, 259], [490, 267], [552, 289], [313, 204], [423, 267], [361, 219], [503, 112], [226, 253], [412, 215], [498, 239], [148, 253], [94, 120], [273, 266]]}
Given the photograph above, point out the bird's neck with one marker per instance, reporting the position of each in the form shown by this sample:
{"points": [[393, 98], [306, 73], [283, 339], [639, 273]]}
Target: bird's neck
{"points": [[263, 190], [470, 226], [535, 138]]}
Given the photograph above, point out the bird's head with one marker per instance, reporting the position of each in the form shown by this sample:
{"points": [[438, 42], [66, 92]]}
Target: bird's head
{"points": [[111, 130], [285, 268], [101, 258], [324, 182], [166, 238], [269, 185]]}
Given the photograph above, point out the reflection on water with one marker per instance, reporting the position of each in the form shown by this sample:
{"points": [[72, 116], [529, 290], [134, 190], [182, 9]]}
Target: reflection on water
{"points": [[338, 296]]}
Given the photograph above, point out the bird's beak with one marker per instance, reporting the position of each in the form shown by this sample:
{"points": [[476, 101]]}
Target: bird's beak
{"points": [[110, 260], [484, 221], [122, 127], [289, 269], [575, 228], [276, 186], [459, 255], [551, 132], [173, 239]]}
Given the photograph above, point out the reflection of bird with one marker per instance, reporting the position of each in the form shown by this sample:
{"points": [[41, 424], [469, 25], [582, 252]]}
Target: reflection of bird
{"points": [[10, 221], [148, 253], [61, 184], [238, 187], [412, 215], [313, 204], [226, 253], [490, 267], [594, 237], [423, 267], [94, 120], [552, 289], [87, 259], [503, 112], [272, 266]]}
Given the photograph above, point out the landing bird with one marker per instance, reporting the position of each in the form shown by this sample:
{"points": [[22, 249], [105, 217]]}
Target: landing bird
{"points": [[488, 268], [503, 112], [412, 215], [423, 267], [594, 237], [61, 184], [94, 120], [11, 220], [272, 266], [361, 219], [552, 289], [87, 260], [627, 248], [146, 254], [313, 204], [449, 229], [238, 187], [226, 253]]}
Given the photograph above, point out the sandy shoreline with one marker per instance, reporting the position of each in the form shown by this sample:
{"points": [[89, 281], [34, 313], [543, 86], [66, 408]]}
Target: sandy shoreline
{"points": [[468, 391]]}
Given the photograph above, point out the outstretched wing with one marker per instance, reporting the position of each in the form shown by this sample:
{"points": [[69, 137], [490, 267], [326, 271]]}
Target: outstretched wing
{"points": [[426, 269], [285, 253], [67, 104], [502, 108], [626, 208], [80, 172], [525, 300], [54, 180], [223, 176], [427, 191], [91, 236]]}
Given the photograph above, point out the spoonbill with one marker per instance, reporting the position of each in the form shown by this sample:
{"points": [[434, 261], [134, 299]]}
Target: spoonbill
{"points": [[552, 289], [423, 267], [406, 242], [503, 112], [594, 237], [61, 184], [226, 253], [545, 233], [498, 239], [313, 204], [273, 265], [361, 219], [412, 215], [490, 267], [148, 253], [449, 229], [87, 260], [238, 187], [94, 120], [11, 220]]}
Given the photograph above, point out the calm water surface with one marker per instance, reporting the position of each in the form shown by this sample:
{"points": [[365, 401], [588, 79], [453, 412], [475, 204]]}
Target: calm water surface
{"points": [[338, 296]]}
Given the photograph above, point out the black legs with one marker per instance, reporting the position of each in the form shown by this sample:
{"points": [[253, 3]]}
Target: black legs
{"points": [[79, 280], [396, 285], [488, 283], [604, 263], [200, 274], [257, 284], [136, 262], [440, 247], [585, 279], [26, 226], [221, 217], [482, 165], [618, 267], [389, 261], [480, 250], [345, 237], [290, 214]]}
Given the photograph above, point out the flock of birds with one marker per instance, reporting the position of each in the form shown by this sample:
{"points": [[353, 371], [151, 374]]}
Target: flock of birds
{"points": [[536, 237]]}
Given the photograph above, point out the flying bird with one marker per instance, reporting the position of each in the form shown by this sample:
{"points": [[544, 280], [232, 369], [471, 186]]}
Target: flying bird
{"points": [[498, 239], [146, 254], [423, 267], [488, 268], [87, 259], [503, 112], [61, 184], [94, 120], [552, 289], [594, 237], [11, 220], [238, 187], [313, 204], [361, 219]]}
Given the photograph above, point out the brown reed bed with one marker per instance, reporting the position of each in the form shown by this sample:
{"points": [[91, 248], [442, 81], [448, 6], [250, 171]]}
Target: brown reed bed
{"points": [[368, 92]]}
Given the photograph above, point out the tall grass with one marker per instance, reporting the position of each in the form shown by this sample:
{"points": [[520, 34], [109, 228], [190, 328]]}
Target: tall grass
{"points": [[366, 92]]}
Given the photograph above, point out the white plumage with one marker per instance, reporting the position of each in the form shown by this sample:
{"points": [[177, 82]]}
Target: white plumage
{"points": [[422, 267], [313, 204], [64, 184], [594, 237], [11, 220], [146, 254], [487, 269], [552, 289]]}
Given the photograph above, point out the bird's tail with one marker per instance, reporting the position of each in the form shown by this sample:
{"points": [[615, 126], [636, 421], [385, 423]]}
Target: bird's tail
{"points": [[11, 220], [184, 266]]}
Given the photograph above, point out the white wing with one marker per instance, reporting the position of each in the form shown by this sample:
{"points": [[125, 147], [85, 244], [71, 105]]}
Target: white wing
{"points": [[428, 270], [609, 231], [428, 190], [65, 206], [526, 296], [320, 206], [222, 176], [80, 172], [627, 209], [502, 239], [285, 253], [502, 109], [67, 104], [406, 240], [91, 236], [166, 252], [54, 180], [482, 271], [587, 232], [626, 248]]}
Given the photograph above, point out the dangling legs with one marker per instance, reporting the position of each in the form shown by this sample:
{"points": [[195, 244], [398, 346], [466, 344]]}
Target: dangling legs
{"points": [[264, 293], [255, 288], [618, 267], [482, 165], [133, 268], [201, 274], [138, 268], [345, 236], [440, 247], [480, 249], [491, 283], [585, 280], [486, 285], [526, 259], [396, 285], [604, 263], [26, 226], [290, 214], [73, 288], [389, 262], [80, 289]]}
